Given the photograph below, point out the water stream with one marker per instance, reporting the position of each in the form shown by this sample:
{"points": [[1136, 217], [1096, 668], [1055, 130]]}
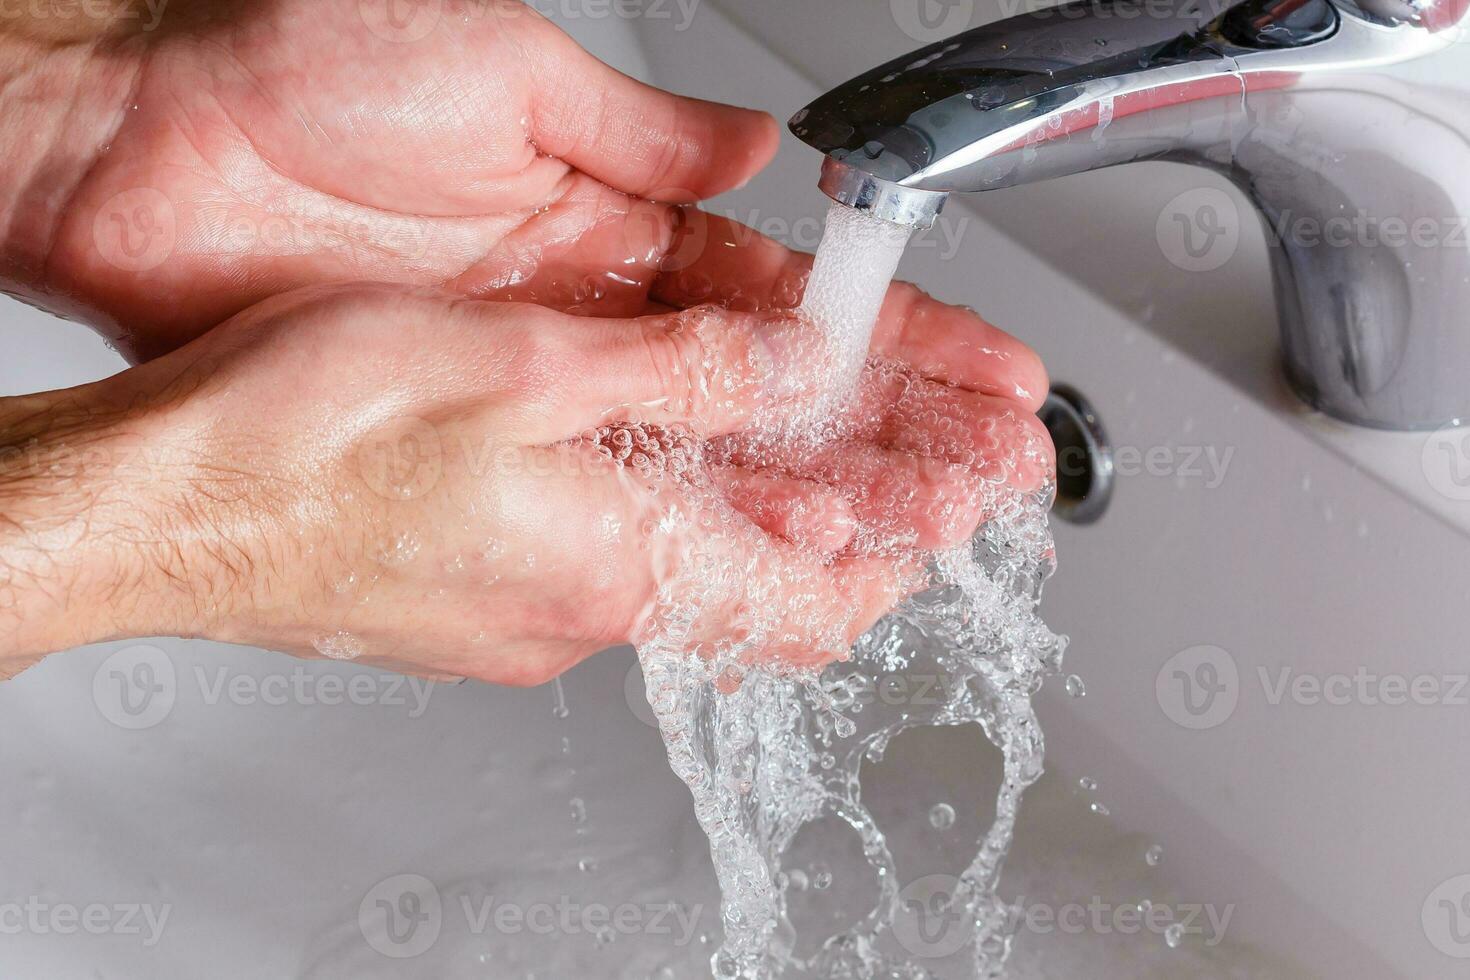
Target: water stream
{"points": [[770, 750]]}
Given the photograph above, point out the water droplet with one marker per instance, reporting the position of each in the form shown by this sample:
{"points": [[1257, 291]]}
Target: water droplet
{"points": [[1099, 809], [1087, 783], [1075, 687], [340, 645], [559, 707], [1174, 936], [1153, 856]]}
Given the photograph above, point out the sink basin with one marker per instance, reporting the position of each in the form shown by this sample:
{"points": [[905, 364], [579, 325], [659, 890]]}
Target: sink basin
{"points": [[1251, 551]]}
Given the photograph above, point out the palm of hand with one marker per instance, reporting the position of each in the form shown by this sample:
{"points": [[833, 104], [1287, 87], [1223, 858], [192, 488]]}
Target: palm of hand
{"points": [[267, 150]]}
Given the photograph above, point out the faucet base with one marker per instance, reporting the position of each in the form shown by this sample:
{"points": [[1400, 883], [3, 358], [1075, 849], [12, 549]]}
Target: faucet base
{"points": [[1309, 393]]}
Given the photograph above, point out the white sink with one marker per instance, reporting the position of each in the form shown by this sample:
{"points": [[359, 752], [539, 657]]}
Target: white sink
{"points": [[1328, 831]]}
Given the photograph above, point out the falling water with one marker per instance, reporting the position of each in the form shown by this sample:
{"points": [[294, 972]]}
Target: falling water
{"points": [[767, 749]]}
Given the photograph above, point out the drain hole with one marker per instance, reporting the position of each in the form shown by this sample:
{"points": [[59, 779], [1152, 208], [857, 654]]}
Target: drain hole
{"points": [[1084, 456]]}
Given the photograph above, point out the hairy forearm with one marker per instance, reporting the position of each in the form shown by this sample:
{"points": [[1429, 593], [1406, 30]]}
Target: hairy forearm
{"points": [[86, 552]]}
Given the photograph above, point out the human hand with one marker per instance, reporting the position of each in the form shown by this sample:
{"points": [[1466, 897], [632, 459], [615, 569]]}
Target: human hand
{"points": [[428, 483], [171, 168]]}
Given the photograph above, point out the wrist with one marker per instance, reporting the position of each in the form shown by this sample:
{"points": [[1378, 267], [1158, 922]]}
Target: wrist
{"points": [[88, 549]]}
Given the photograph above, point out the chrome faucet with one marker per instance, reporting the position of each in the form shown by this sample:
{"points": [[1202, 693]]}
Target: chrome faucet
{"points": [[1346, 122]]}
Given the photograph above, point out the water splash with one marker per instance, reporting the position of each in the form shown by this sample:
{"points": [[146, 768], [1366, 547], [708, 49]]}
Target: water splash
{"points": [[768, 748]]}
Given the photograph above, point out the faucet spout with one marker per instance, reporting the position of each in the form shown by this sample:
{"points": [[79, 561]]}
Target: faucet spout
{"points": [[1327, 114]]}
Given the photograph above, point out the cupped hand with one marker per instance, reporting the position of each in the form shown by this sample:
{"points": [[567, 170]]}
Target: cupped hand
{"points": [[459, 487], [236, 151]]}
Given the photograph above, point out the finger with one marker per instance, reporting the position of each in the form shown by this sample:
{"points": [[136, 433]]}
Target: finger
{"points": [[708, 368], [717, 260], [899, 499], [994, 437], [809, 515], [904, 500], [637, 138], [858, 593]]}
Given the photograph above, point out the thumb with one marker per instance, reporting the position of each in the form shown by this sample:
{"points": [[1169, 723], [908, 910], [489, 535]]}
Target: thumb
{"points": [[636, 138]]}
